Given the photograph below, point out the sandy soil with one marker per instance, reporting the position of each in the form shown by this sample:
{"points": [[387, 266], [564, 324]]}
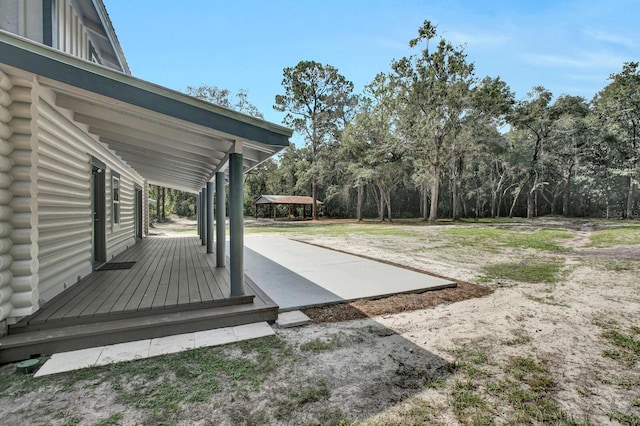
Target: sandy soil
{"points": [[368, 365]]}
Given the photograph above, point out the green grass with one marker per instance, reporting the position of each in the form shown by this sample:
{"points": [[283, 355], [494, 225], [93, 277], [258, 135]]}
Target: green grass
{"points": [[625, 418], [73, 421], [415, 411], [319, 345], [540, 239], [163, 384], [295, 398], [548, 300], [628, 235], [626, 346], [522, 394], [528, 271], [112, 420], [333, 229]]}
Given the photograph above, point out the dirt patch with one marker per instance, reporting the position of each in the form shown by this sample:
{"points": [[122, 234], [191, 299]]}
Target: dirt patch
{"points": [[397, 303], [174, 226], [621, 253]]}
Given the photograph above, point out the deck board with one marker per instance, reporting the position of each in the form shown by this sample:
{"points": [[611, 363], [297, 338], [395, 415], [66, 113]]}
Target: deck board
{"points": [[115, 306], [168, 273]]}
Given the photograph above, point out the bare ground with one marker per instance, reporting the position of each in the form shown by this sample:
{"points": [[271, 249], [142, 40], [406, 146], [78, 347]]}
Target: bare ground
{"points": [[453, 356]]}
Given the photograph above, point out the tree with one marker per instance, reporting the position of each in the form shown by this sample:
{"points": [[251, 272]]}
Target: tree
{"points": [[372, 147], [316, 100], [489, 103], [224, 98], [533, 117], [432, 94], [569, 134], [618, 106]]}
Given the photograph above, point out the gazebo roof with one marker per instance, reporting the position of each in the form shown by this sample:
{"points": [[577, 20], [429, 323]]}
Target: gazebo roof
{"points": [[285, 199]]}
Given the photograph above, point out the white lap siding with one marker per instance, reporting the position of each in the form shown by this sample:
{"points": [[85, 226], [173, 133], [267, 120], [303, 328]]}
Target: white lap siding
{"points": [[65, 201]]}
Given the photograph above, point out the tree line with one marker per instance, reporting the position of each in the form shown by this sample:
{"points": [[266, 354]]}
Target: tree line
{"points": [[428, 138]]}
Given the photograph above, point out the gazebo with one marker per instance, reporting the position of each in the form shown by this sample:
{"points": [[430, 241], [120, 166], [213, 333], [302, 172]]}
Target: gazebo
{"points": [[290, 200]]}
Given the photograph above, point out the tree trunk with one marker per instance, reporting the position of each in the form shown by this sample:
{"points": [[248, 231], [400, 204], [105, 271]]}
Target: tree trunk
{"points": [[158, 200], [425, 201], [382, 202], [314, 195], [360, 201], [629, 212], [515, 199], [455, 204], [163, 212], [494, 203], [565, 195], [530, 204], [435, 190], [456, 190], [388, 201]]}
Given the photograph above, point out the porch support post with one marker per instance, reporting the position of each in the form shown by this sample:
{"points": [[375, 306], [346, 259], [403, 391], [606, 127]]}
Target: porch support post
{"points": [[221, 214], [198, 214], [236, 224], [203, 215], [209, 217]]}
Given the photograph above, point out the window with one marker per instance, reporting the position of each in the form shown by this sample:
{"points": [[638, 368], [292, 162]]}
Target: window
{"points": [[93, 54], [115, 190], [48, 22]]}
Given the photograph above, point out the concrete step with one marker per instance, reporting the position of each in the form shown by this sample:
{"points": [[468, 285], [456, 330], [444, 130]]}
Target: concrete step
{"points": [[21, 346]]}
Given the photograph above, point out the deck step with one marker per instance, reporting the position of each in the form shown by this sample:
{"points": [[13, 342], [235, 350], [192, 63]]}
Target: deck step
{"points": [[28, 326], [21, 346]]}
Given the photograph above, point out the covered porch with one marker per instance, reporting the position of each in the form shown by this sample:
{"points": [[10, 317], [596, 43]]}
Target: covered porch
{"points": [[103, 117], [166, 285]]}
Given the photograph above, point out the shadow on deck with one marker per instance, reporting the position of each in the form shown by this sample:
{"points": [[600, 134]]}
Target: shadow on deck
{"points": [[173, 287]]}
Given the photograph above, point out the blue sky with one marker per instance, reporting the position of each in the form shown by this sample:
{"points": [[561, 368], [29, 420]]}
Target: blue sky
{"points": [[566, 46]]}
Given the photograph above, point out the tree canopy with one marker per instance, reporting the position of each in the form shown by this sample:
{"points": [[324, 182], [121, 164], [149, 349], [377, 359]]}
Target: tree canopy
{"points": [[428, 138]]}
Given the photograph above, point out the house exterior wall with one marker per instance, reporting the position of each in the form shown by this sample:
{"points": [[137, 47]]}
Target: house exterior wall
{"points": [[18, 221], [65, 200], [46, 206]]}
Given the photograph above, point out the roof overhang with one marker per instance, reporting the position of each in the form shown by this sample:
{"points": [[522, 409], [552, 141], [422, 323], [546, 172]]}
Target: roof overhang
{"points": [[169, 138]]}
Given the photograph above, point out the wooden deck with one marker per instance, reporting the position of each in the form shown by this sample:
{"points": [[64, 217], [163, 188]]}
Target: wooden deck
{"points": [[173, 287]]}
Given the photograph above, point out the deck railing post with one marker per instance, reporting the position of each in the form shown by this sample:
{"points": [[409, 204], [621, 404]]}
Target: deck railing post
{"points": [[221, 214], [209, 217], [203, 215], [236, 224]]}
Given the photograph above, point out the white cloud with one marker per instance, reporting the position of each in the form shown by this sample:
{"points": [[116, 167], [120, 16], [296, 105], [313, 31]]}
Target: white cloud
{"points": [[611, 38], [478, 39], [601, 59]]}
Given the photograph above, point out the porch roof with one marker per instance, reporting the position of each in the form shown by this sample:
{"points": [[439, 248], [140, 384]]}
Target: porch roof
{"points": [[169, 138]]}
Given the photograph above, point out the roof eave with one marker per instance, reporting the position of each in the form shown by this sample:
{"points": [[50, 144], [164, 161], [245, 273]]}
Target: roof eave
{"points": [[50, 63]]}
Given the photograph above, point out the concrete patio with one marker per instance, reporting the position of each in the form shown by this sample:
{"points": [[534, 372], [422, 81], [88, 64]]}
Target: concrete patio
{"points": [[298, 275]]}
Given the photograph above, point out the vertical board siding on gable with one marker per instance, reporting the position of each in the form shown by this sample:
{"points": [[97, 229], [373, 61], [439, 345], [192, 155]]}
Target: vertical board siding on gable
{"points": [[71, 36], [6, 291], [24, 218]]}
